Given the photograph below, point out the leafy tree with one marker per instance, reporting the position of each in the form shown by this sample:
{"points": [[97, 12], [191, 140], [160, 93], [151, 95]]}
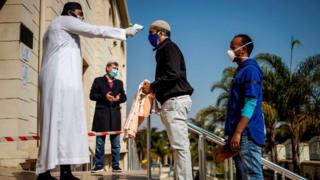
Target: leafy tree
{"points": [[293, 95]]}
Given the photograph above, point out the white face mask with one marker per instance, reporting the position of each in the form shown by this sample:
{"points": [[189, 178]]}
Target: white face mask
{"points": [[81, 18], [231, 53]]}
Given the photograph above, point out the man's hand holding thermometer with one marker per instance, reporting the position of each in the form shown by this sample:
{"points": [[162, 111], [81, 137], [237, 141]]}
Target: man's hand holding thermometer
{"points": [[132, 31]]}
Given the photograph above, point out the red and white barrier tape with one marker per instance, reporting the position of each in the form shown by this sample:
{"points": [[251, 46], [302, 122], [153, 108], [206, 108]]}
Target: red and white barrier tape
{"points": [[28, 138], [19, 138], [103, 133]]}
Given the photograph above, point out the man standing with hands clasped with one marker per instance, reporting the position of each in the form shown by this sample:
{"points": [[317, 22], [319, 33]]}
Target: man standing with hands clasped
{"points": [[173, 91], [245, 127], [108, 92]]}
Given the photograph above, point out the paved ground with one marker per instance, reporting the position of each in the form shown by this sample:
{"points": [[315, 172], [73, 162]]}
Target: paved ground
{"points": [[17, 174]]}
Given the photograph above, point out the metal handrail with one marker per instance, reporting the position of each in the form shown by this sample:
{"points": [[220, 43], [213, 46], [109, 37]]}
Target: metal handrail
{"points": [[221, 141], [198, 130], [285, 172]]}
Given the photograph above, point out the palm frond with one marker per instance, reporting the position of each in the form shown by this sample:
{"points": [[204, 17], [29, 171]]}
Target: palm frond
{"points": [[219, 85], [309, 66], [270, 114], [275, 62], [223, 99], [228, 74], [295, 42]]}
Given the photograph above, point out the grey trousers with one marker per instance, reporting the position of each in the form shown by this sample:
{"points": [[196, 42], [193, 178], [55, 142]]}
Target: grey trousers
{"points": [[174, 117]]}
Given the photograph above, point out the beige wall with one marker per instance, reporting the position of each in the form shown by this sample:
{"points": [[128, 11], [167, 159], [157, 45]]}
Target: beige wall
{"points": [[18, 102], [303, 150]]}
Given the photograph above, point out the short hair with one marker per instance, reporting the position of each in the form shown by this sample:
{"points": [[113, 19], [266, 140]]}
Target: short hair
{"points": [[244, 40], [112, 63], [70, 6], [168, 33]]}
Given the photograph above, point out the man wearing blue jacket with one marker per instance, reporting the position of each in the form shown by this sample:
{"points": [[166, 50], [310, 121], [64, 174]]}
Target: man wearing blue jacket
{"points": [[245, 127]]}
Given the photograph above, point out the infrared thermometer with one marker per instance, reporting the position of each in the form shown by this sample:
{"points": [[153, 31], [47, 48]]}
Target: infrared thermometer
{"points": [[138, 27]]}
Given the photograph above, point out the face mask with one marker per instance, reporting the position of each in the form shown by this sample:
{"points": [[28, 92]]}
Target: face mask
{"points": [[231, 53], [153, 39], [81, 18], [114, 73]]}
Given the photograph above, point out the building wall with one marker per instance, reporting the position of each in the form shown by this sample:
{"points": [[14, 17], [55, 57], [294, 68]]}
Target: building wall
{"points": [[18, 102], [19, 78], [303, 150], [281, 152], [314, 145]]}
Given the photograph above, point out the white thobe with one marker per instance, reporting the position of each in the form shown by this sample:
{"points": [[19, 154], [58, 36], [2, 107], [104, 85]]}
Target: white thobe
{"points": [[64, 138]]}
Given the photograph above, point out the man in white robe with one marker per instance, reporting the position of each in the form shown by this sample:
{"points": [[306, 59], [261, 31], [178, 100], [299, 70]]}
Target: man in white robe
{"points": [[64, 139]]}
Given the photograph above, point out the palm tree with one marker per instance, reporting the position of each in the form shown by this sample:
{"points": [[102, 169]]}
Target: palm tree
{"points": [[160, 144], [141, 143], [270, 117], [294, 42], [282, 90], [224, 85], [213, 116], [292, 94]]}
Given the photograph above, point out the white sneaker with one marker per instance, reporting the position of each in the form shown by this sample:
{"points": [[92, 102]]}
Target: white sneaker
{"points": [[97, 170]]}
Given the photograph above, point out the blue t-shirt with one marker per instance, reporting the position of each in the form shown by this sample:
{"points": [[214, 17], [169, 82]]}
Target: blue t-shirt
{"points": [[247, 82]]}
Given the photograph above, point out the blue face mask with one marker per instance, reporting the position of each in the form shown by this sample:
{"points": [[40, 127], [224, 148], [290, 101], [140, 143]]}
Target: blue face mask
{"points": [[153, 39], [114, 73]]}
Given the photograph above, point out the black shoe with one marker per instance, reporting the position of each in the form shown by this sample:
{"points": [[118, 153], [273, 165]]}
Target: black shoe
{"points": [[46, 176], [68, 177], [116, 169], [97, 170], [65, 173]]}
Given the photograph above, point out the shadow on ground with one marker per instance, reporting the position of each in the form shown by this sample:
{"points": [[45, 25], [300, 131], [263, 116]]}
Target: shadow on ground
{"points": [[119, 176], [24, 175]]}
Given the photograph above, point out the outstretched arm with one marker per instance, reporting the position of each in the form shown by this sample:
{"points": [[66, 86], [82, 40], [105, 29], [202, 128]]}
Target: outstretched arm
{"points": [[74, 25]]}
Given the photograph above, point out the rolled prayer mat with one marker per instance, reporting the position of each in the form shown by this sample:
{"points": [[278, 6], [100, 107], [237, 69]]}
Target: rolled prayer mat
{"points": [[222, 153]]}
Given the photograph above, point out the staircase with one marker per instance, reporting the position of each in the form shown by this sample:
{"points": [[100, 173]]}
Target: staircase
{"points": [[273, 171], [204, 135]]}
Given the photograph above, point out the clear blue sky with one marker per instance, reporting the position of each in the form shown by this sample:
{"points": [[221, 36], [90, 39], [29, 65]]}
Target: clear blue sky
{"points": [[203, 30]]}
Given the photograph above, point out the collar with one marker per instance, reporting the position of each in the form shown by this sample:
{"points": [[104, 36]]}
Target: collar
{"points": [[246, 62], [162, 44], [107, 77]]}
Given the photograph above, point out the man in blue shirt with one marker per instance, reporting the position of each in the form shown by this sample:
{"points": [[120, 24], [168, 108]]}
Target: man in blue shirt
{"points": [[245, 127]]}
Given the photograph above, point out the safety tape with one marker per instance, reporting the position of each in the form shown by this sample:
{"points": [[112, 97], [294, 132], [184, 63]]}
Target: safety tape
{"points": [[19, 138], [28, 138], [103, 133]]}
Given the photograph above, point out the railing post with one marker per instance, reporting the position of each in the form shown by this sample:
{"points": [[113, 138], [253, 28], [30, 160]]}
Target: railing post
{"points": [[230, 169], [129, 154], [226, 169], [149, 175], [202, 157], [275, 175]]}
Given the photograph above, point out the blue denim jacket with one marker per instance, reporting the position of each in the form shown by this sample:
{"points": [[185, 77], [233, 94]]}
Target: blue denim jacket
{"points": [[247, 82]]}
